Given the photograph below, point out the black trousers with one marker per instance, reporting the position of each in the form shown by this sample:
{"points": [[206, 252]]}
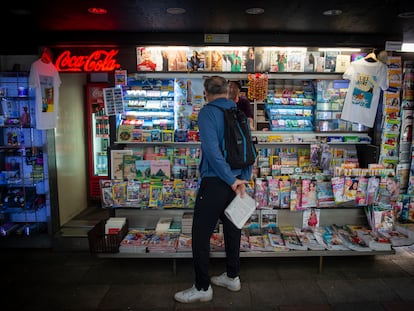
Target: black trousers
{"points": [[212, 199]]}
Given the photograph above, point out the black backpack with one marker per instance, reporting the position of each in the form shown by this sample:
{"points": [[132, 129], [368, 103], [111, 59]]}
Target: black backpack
{"points": [[237, 147]]}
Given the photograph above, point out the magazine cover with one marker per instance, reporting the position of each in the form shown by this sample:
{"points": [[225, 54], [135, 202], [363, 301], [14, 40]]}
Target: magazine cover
{"points": [[338, 189], [119, 192], [342, 63], [311, 218], [128, 167], [168, 194], [161, 169], [133, 189], [308, 193], [143, 169], [117, 159], [253, 223], [324, 195], [106, 193], [361, 195], [310, 61], [179, 186], [273, 187], [296, 60], [330, 60], [350, 188], [372, 190], [284, 186], [269, 219], [155, 200], [261, 193]]}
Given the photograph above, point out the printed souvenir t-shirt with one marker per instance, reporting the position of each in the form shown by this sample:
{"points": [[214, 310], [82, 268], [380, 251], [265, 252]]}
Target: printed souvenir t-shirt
{"points": [[367, 79], [46, 81]]}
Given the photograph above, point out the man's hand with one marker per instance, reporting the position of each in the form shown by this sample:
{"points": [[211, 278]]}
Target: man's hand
{"points": [[239, 187]]}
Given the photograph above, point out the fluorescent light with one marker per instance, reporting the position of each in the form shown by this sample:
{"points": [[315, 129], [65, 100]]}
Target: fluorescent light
{"points": [[332, 12], [255, 11], [176, 11], [287, 49], [166, 48], [407, 47], [226, 48], [339, 49]]}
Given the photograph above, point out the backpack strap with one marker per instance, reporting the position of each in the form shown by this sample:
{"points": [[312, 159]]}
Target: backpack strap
{"points": [[221, 108]]}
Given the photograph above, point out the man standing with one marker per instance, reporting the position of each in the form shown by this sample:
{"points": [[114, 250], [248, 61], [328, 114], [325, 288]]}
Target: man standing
{"points": [[233, 93], [219, 185]]}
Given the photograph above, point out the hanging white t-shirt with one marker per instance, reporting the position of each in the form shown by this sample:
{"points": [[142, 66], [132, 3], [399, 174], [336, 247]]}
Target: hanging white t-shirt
{"points": [[367, 79], [46, 81]]}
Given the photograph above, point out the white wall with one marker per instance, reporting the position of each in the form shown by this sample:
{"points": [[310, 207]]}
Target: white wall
{"points": [[71, 147]]}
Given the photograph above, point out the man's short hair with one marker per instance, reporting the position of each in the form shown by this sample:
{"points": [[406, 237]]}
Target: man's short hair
{"points": [[236, 82], [215, 85]]}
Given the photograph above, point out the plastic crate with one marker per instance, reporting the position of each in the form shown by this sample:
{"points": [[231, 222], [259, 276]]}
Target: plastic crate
{"points": [[99, 242]]}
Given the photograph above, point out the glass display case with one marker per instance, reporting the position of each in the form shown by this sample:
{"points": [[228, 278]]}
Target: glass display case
{"points": [[330, 97], [24, 187]]}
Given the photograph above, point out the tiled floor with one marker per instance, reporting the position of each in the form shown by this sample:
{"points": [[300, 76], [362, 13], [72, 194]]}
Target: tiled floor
{"points": [[58, 279], [44, 279]]}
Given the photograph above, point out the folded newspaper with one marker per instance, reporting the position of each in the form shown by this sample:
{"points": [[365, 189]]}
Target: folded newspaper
{"points": [[240, 210]]}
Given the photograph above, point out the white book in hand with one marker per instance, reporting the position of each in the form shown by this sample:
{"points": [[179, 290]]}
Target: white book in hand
{"points": [[240, 210]]}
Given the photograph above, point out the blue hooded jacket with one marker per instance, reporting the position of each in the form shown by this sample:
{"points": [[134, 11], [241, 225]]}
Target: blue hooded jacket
{"points": [[211, 130]]}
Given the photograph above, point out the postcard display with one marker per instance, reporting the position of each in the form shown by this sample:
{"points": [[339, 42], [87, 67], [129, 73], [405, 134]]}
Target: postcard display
{"points": [[25, 202], [156, 154]]}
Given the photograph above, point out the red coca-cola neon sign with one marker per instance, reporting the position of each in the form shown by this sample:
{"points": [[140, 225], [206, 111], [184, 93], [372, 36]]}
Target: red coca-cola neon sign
{"points": [[98, 60]]}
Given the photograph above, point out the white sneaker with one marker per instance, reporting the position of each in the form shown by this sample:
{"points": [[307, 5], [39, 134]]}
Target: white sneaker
{"points": [[229, 283], [193, 295]]}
